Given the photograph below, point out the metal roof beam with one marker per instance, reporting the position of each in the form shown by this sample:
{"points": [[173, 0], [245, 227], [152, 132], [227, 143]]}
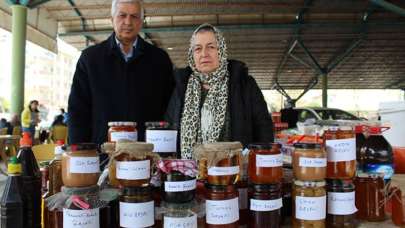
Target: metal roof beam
{"points": [[35, 3], [389, 6], [83, 22]]}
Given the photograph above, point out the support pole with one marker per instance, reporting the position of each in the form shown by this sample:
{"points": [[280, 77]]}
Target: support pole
{"points": [[325, 90]]}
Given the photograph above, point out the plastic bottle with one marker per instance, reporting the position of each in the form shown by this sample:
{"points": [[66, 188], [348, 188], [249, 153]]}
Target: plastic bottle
{"points": [[31, 183], [11, 200]]}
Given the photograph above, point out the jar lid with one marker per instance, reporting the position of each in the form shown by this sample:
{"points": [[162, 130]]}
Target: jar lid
{"points": [[134, 146], [263, 146], [345, 184], [160, 124], [121, 123], [310, 183], [266, 187], [179, 206], [340, 128], [80, 146], [130, 191], [220, 188], [221, 146], [307, 145]]}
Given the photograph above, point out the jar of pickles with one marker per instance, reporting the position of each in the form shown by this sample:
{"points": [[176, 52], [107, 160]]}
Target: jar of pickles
{"points": [[219, 162], [340, 144], [80, 165], [221, 206], [309, 162], [163, 138], [182, 215], [309, 204], [265, 206], [122, 131], [137, 207], [265, 163], [341, 204]]}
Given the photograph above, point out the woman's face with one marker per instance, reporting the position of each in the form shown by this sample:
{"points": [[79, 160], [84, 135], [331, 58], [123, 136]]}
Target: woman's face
{"points": [[34, 105], [206, 52]]}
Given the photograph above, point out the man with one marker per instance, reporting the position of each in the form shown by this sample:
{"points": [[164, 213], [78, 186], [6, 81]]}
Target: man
{"points": [[121, 79]]}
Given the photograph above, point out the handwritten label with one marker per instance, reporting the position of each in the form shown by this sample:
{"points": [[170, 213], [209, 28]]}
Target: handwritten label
{"points": [[341, 149], [137, 214], [164, 141], [222, 171], [81, 218], [265, 205], [310, 208], [126, 135], [243, 198], [269, 160], [312, 162], [133, 170], [175, 222], [220, 212], [341, 203], [84, 165], [180, 186]]}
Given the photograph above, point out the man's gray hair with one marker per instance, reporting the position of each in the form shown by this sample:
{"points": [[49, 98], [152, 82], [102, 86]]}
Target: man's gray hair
{"points": [[115, 3]]}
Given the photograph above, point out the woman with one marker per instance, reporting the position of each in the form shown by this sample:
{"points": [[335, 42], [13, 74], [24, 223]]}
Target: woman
{"points": [[215, 99], [30, 118]]}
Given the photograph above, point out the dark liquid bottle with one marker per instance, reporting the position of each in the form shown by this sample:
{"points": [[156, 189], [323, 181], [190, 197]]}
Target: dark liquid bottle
{"points": [[31, 183], [11, 201]]}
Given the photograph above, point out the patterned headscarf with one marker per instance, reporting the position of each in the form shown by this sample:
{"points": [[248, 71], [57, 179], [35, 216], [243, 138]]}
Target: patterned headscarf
{"points": [[205, 125]]}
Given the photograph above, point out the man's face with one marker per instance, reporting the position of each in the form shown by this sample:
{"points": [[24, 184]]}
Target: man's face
{"points": [[127, 21]]}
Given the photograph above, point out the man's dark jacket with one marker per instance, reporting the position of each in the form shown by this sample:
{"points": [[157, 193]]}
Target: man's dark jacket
{"points": [[250, 119], [106, 88]]}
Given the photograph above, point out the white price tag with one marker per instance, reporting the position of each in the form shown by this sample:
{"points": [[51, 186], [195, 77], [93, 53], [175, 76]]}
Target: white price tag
{"points": [[243, 198], [133, 170], [312, 162], [124, 135], [341, 149], [223, 171], [84, 165], [220, 212], [265, 205], [81, 218], [341, 203], [174, 222], [164, 141], [137, 214], [269, 160], [310, 208], [180, 186]]}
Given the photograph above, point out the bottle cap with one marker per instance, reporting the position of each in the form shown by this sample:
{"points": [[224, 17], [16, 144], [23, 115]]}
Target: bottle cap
{"points": [[26, 140]]}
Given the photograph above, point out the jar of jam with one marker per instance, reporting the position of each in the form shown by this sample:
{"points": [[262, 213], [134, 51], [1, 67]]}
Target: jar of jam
{"points": [[221, 206], [134, 162], [163, 138], [242, 187], [180, 215], [309, 204], [109, 148], [340, 144], [287, 183], [265, 206], [309, 162], [219, 162], [265, 163], [137, 207], [80, 165], [122, 131], [341, 204]]}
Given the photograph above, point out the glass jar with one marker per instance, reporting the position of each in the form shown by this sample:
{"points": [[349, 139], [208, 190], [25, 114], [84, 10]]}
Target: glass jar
{"points": [[242, 187], [80, 165], [122, 131], [340, 144], [341, 204], [180, 215], [309, 162], [109, 148], [265, 163], [265, 206], [163, 138], [309, 204], [137, 207], [178, 188], [287, 183], [44, 168], [221, 206], [219, 162]]}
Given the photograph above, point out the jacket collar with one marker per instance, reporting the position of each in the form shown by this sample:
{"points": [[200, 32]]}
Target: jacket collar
{"points": [[115, 49]]}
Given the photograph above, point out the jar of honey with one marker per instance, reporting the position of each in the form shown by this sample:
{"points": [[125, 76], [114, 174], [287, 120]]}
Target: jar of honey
{"points": [[163, 138], [265, 206], [182, 215], [122, 131], [341, 204], [309, 162], [221, 206], [137, 207], [265, 163], [340, 144], [80, 165]]}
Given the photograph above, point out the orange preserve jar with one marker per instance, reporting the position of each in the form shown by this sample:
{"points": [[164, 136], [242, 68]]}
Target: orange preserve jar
{"points": [[340, 144], [221, 206], [122, 131], [80, 165], [133, 162], [220, 162], [309, 162], [265, 163]]}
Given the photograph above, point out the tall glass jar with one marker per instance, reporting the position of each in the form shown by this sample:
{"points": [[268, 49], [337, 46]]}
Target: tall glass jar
{"points": [[309, 204], [180, 215], [309, 162], [221, 205], [340, 144], [265, 206], [122, 131], [265, 163], [137, 207], [341, 204], [163, 138]]}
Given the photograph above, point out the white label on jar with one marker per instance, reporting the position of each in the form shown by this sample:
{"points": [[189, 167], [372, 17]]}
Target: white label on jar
{"points": [[84, 165], [164, 141], [133, 170], [312, 162], [269, 160], [126, 135], [222, 171], [265, 205], [137, 214], [310, 208], [175, 222], [243, 198], [180, 186], [220, 212], [341, 203], [81, 218], [341, 149]]}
